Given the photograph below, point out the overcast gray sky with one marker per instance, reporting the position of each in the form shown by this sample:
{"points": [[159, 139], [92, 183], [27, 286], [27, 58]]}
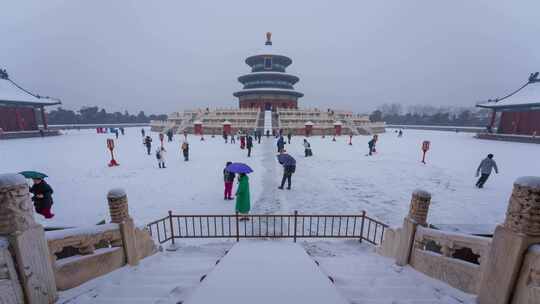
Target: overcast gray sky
{"points": [[163, 56]]}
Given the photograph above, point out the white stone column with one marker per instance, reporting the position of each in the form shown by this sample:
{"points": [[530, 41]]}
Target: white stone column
{"points": [[418, 212], [520, 229], [27, 240]]}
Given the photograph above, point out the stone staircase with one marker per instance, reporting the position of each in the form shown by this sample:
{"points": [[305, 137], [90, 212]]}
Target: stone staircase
{"points": [[359, 274], [167, 277], [363, 276]]}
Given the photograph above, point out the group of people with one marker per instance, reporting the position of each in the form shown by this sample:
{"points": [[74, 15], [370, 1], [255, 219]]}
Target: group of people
{"points": [[161, 151], [243, 199]]}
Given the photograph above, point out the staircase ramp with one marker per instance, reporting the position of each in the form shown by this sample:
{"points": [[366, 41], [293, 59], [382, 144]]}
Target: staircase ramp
{"points": [[266, 272]]}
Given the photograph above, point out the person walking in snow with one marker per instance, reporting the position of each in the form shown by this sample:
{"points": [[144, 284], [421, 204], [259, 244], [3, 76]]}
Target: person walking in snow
{"points": [[242, 141], [243, 204], [280, 144], [185, 150], [148, 144], [116, 133], [289, 136], [400, 134], [485, 167], [228, 178], [289, 167], [160, 155], [170, 135], [142, 132], [307, 148], [42, 197], [123, 131], [225, 137], [371, 145], [249, 144]]}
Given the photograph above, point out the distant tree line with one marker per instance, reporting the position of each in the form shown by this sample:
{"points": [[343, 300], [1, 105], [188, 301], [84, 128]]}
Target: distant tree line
{"points": [[94, 115], [430, 115]]}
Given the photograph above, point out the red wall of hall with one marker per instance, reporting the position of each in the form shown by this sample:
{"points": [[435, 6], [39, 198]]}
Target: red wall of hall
{"points": [[17, 119], [524, 123], [275, 103]]}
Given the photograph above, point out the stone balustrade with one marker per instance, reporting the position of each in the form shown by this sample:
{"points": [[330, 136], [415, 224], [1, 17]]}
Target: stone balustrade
{"points": [[504, 269], [453, 258], [34, 265]]}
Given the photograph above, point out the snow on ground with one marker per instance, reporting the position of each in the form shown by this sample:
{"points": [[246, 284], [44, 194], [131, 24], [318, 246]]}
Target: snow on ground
{"points": [[363, 276], [77, 167], [338, 179]]}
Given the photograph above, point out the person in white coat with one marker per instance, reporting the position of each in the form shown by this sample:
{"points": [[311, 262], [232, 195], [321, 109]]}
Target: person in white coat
{"points": [[160, 155]]}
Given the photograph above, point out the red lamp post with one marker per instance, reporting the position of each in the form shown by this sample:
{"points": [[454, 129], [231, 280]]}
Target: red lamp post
{"points": [[110, 146], [425, 148]]}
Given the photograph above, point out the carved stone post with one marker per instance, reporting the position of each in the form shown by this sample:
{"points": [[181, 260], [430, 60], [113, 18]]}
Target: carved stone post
{"points": [[118, 205], [118, 208], [418, 212], [521, 229], [26, 239]]}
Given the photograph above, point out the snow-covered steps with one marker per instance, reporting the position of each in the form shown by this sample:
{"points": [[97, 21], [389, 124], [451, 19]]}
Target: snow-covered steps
{"points": [[365, 277], [267, 122], [167, 277], [266, 272]]}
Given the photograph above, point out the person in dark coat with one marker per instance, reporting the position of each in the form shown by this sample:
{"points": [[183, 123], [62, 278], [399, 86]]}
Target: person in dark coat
{"points": [[249, 144], [280, 144], [307, 148], [116, 133], [148, 144], [170, 135], [259, 136], [289, 167], [228, 178], [42, 197], [123, 131], [142, 132], [371, 145], [185, 150], [485, 167], [289, 136]]}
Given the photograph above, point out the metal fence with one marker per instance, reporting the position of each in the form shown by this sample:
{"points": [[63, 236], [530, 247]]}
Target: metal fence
{"points": [[358, 226]]}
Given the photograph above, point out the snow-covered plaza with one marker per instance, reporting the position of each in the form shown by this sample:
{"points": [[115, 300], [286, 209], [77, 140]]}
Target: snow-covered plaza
{"points": [[339, 178]]}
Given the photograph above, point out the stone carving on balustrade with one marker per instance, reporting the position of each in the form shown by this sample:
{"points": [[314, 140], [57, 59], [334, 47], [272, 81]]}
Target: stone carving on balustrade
{"points": [[84, 242], [523, 213], [419, 207], [15, 205]]}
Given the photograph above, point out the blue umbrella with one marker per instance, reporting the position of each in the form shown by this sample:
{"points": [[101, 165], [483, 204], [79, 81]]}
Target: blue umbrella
{"points": [[286, 160], [239, 168]]}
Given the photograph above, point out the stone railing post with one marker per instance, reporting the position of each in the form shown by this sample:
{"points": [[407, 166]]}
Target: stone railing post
{"points": [[26, 240], [520, 229], [418, 212], [119, 211]]}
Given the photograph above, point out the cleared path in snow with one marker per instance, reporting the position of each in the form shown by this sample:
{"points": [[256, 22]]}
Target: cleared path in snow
{"points": [[268, 122], [266, 272]]}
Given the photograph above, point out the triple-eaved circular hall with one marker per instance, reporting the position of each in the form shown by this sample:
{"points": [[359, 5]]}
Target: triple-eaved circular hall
{"points": [[268, 102]]}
